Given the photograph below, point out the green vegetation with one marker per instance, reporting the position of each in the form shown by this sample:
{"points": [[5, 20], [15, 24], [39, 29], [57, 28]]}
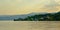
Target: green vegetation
{"points": [[42, 17]]}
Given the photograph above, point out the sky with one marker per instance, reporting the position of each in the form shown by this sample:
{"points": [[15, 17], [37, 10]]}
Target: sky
{"points": [[14, 7]]}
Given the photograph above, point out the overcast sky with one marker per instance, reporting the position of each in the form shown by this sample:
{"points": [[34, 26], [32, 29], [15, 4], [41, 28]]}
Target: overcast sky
{"points": [[13, 7]]}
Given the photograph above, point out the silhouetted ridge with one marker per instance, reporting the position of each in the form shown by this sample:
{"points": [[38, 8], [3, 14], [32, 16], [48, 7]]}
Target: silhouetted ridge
{"points": [[42, 17]]}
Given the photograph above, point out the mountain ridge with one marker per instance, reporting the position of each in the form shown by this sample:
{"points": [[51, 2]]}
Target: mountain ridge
{"points": [[11, 17]]}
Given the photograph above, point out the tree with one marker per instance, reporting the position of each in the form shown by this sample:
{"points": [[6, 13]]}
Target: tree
{"points": [[42, 17]]}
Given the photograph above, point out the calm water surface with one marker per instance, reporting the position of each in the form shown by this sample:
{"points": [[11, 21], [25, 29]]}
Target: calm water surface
{"points": [[29, 25]]}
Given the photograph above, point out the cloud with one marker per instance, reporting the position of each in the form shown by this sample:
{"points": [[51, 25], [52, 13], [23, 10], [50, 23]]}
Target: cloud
{"points": [[52, 5], [27, 6]]}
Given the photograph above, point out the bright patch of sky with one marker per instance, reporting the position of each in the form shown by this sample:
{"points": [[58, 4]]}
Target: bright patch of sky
{"points": [[12, 7]]}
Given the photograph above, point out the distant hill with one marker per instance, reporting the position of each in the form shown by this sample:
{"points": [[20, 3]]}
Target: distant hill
{"points": [[41, 17], [12, 17]]}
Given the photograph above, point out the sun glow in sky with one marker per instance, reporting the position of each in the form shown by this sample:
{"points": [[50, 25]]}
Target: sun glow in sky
{"points": [[13, 7]]}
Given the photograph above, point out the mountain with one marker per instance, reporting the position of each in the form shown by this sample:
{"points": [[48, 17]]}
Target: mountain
{"points": [[41, 17], [11, 17]]}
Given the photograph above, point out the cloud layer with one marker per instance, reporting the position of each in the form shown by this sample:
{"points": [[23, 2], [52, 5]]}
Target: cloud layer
{"points": [[11, 7]]}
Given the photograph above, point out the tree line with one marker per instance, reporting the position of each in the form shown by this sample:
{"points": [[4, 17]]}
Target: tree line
{"points": [[42, 17]]}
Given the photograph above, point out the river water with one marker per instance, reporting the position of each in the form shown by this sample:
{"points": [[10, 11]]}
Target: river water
{"points": [[29, 25]]}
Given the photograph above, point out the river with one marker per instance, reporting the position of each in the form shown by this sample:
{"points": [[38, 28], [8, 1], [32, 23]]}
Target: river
{"points": [[29, 25]]}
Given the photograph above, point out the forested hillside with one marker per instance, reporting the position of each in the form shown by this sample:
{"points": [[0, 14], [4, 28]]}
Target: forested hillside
{"points": [[42, 17]]}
